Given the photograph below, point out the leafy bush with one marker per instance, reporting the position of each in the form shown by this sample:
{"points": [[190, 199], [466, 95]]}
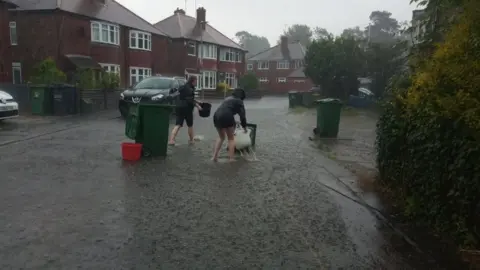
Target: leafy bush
{"points": [[428, 135], [110, 80], [249, 81], [223, 87], [46, 72]]}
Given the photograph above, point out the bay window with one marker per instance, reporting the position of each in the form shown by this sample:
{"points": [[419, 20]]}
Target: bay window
{"points": [[238, 57], [283, 65], [231, 80], [208, 51], [140, 40], [105, 33], [138, 73], [227, 55], [208, 80]]}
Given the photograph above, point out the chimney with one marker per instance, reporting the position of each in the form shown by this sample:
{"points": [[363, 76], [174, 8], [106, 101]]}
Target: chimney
{"points": [[179, 11], [201, 17], [284, 47]]}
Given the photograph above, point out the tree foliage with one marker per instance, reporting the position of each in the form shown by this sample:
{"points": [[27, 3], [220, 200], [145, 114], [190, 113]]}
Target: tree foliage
{"points": [[334, 64], [299, 32], [383, 28], [249, 81], [252, 43]]}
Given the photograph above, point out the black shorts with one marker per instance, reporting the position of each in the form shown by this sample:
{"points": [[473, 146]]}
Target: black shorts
{"points": [[184, 114], [223, 120]]}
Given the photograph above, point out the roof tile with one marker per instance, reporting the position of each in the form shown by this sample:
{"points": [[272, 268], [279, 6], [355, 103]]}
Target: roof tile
{"points": [[297, 52]]}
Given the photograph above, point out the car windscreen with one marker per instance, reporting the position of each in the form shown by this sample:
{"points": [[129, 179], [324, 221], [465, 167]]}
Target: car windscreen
{"points": [[154, 83]]}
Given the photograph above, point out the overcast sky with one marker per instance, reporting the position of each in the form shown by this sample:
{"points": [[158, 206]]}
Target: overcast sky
{"points": [[270, 17]]}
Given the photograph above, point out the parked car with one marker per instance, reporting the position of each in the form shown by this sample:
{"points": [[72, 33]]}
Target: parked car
{"points": [[8, 106], [155, 89]]}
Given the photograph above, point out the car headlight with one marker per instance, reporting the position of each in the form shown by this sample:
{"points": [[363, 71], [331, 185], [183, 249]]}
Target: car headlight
{"points": [[122, 96], [157, 97]]}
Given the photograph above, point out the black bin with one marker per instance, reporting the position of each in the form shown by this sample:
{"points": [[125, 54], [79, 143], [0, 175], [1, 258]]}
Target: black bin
{"points": [[64, 99]]}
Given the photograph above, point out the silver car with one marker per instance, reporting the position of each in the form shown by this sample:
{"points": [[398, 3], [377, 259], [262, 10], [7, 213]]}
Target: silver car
{"points": [[8, 106]]}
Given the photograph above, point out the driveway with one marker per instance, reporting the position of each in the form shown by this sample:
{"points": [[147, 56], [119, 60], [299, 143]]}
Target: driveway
{"points": [[68, 201]]}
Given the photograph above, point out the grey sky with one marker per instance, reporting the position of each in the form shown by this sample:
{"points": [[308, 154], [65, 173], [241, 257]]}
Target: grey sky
{"points": [[270, 17]]}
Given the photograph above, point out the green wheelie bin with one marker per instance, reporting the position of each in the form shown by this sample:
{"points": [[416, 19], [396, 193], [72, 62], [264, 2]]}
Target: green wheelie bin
{"points": [[294, 99], [328, 117], [155, 123], [41, 99]]}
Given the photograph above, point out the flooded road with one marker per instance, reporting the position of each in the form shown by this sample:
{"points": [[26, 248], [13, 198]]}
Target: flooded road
{"points": [[68, 201]]}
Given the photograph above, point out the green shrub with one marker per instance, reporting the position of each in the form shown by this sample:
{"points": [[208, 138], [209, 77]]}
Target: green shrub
{"points": [[249, 82], [428, 145], [46, 72]]}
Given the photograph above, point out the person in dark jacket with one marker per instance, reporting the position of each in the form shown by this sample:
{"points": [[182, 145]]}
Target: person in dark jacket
{"points": [[224, 122], [184, 109]]}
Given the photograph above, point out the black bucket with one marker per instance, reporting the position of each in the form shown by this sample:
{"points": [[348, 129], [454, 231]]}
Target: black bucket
{"points": [[206, 108]]}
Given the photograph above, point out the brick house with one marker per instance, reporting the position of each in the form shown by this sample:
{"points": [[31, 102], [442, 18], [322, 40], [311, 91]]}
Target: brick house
{"points": [[198, 49], [5, 55], [84, 34], [280, 68]]}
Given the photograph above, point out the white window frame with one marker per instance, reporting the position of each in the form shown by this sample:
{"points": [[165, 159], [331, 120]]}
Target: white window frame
{"points": [[13, 33], [263, 80], [227, 55], [191, 44], [231, 80], [135, 72], [208, 79], [144, 37], [283, 64], [105, 31], [281, 80], [298, 64], [208, 51], [298, 81], [238, 57], [249, 66], [16, 66], [111, 68], [263, 65]]}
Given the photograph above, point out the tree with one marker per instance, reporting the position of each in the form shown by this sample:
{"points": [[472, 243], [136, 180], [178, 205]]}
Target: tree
{"points": [[383, 62], [334, 64], [383, 28], [299, 32], [252, 43], [321, 33], [355, 32], [249, 81]]}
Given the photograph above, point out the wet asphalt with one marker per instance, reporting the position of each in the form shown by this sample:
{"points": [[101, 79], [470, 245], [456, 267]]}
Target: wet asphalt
{"points": [[68, 201]]}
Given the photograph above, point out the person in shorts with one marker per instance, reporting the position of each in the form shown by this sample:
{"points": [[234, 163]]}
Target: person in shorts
{"points": [[224, 122], [184, 109]]}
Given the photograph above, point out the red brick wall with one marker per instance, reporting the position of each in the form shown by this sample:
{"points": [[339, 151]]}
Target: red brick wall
{"points": [[37, 38], [273, 74], [5, 53]]}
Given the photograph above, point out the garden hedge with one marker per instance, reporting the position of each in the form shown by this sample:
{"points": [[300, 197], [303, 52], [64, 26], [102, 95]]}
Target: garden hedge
{"points": [[428, 146]]}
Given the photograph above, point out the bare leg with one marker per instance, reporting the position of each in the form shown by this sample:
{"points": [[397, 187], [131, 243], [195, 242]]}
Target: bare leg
{"points": [[218, 143], [231, 143], [190, 135], [173, 135]]}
